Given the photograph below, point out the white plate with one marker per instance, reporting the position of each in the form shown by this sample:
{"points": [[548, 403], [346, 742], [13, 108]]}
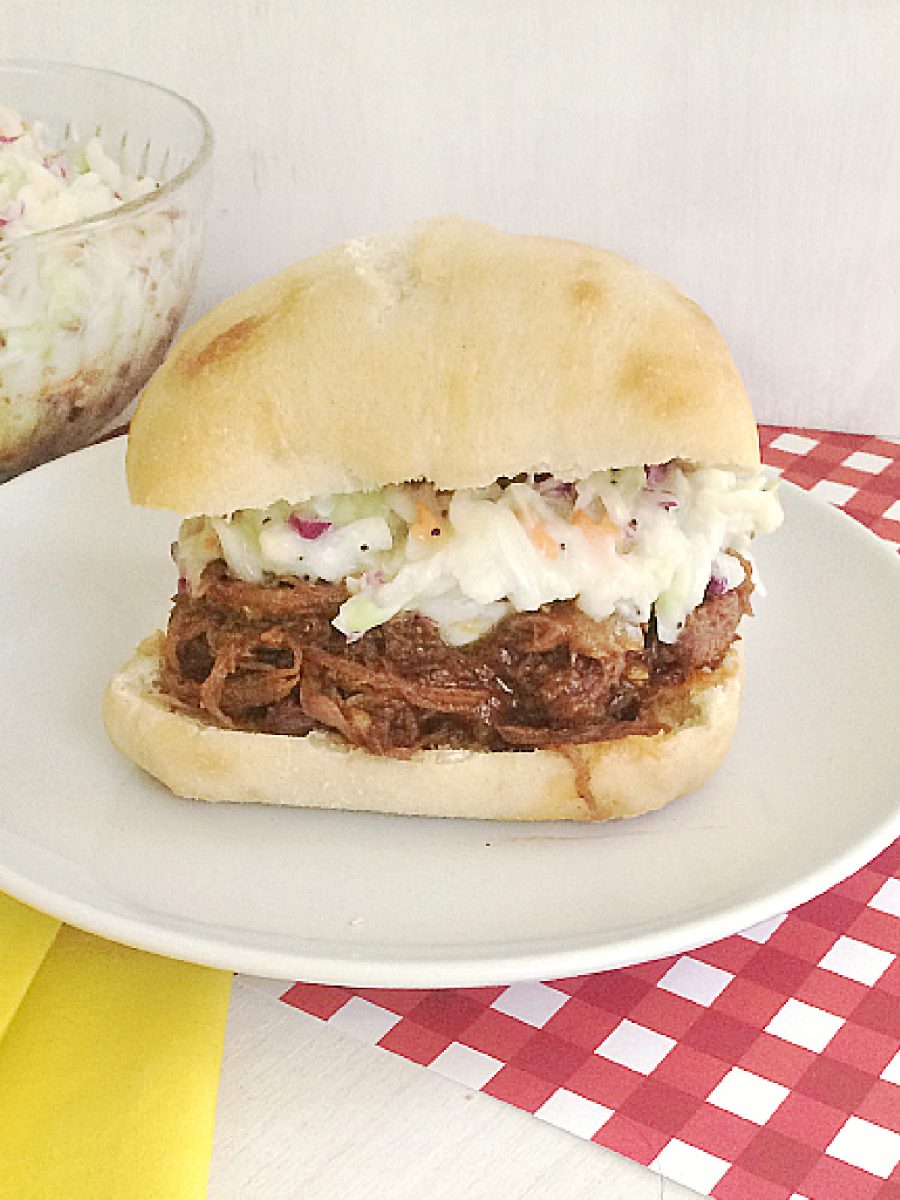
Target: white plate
{"points": [[808, 794]]}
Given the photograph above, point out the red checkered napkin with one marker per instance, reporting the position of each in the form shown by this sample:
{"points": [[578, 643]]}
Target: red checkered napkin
{"points": [[763, 1066], [861, 475]]}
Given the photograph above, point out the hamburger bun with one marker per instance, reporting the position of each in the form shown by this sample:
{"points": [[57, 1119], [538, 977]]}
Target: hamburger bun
{"points": [[454, 353]]}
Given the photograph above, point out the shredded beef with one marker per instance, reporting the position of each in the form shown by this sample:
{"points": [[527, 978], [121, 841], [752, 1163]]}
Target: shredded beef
{"points": [[708, 631], [284, 598], [266, 657]]}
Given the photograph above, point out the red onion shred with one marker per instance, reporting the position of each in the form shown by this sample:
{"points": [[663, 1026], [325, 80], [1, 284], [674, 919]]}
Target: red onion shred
{"points": [[717, 586], [656, 474], [561, 491], [307, 529], [58, 165]]}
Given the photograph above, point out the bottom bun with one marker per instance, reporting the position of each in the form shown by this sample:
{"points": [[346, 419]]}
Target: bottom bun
{"points": [[587, 782]]}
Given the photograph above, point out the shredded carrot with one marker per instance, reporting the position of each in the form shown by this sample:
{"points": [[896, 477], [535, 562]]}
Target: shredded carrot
{"points": [[539, 535], [602, 529], [543, 541], [425, 524]]}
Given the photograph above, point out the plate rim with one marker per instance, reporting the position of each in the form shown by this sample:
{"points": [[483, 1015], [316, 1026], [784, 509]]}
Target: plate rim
{"points": [[369, 972]]}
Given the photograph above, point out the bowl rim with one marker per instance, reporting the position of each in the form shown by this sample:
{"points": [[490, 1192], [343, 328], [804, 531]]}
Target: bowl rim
{"points": [[130, 207]]}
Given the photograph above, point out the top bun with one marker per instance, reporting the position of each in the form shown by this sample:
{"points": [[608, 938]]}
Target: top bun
{"points": [[452, 353]]}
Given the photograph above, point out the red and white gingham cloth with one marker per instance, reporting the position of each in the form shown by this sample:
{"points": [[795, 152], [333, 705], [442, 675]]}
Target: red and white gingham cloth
{"points": [[763, 1066]]}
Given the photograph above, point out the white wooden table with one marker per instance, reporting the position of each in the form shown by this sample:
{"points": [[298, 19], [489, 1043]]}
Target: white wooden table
{"points": [[307, 1113]]}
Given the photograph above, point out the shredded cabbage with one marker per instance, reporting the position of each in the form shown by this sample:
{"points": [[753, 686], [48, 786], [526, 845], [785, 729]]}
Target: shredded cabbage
{"points": [[42, 187], [626, 542], [80, 304]]}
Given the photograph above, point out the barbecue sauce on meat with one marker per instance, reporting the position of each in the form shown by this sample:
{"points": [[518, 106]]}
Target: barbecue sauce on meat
{"points": [[265, 657]]}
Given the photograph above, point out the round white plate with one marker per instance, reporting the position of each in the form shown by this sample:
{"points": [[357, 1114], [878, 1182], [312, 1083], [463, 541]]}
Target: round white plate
{"points": [[808, 794]]}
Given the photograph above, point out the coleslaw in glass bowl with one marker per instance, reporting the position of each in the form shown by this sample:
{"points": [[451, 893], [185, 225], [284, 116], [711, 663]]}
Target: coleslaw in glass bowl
{"points": [[102, 186]]}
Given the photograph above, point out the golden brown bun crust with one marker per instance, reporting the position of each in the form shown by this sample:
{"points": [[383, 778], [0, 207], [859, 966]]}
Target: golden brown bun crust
{"points": [[615, 779], [453, 353]]}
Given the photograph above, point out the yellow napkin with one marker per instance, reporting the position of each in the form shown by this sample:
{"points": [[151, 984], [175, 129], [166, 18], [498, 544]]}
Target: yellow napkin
{"points": [[25, 937], [108, 1075]]}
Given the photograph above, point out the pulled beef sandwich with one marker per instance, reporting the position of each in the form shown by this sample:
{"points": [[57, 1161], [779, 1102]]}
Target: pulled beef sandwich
{"points": [[470, 531]]}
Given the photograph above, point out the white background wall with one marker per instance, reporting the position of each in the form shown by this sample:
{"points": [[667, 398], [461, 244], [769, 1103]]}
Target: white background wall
{"points": [[749, 149]]}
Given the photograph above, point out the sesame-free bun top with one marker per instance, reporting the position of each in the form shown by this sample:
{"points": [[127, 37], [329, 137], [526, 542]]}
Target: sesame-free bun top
{"points": [[452, 353]]}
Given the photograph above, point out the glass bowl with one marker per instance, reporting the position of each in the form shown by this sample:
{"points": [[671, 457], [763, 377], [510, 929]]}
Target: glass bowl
{"points": [[89, 309]]}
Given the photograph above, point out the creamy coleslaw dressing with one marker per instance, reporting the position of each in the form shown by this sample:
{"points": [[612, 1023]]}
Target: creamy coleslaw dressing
{"points": [[620, 541]]}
